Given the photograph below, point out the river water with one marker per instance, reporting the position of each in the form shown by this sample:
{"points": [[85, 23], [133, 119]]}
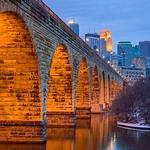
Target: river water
{"points": [[98, 133]]}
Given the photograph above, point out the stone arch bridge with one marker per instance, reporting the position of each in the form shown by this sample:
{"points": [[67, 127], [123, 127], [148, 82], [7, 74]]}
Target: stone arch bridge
{"points": [[48, 75]]}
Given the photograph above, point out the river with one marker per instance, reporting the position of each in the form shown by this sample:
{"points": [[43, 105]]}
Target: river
{"points": [[98, 133]]}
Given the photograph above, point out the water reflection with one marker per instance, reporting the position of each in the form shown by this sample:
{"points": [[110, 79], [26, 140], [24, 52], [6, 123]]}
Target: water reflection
{"points": [[60, 139], [83, 134], [98, 133], [22, 147]]}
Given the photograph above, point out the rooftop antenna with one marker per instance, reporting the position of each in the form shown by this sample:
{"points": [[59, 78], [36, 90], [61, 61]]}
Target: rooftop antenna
{"points": [[89, 30], [94, 29]]}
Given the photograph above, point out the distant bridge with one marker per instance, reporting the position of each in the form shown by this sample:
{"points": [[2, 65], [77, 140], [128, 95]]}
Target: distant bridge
{"points": [[48, 75]]}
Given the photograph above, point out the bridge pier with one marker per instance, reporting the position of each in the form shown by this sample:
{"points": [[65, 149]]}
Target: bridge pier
{"points": [[22, 132], [83, 112], [83, 108], [95, 108], [61, 119]]}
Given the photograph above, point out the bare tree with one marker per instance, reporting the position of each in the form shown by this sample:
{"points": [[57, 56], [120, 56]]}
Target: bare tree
{"points": [[134, 104]]}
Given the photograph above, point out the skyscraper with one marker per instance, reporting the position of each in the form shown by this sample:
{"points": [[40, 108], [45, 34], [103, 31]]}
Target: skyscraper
{"points": [[130, 54], [73, 25], [106, 40], [145, 51], [115, 59], [145, 48], [123, 49], [93, 40]]}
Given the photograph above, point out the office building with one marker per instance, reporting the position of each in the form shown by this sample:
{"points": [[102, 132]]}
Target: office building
{"points": [[147, 59], [145, 48], [139, 62], [147, 66], [106, 41], [124, 49], [93, 40], [128, 53], [73, 25], [132, 74], [115, 59], [147, 72]]}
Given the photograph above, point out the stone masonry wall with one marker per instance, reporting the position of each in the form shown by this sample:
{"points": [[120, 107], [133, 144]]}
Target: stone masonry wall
{"points": [[47, 32]]}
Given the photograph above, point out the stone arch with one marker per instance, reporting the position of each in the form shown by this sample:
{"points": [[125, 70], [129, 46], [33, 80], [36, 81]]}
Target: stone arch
{"points": [[102, 89], [60, 88], [95, 91], [19, 73], [82, 96]]}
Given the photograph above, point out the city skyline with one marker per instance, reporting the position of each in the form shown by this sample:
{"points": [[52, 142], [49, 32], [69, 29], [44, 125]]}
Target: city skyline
{"points": [[127, 21], [61, 92]]}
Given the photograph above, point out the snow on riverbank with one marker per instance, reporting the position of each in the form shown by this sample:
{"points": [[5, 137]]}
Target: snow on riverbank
{"points": [[132, 125]]}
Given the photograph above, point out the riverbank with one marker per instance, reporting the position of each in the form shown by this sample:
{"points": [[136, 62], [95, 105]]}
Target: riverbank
{"points": [[133, 125]]}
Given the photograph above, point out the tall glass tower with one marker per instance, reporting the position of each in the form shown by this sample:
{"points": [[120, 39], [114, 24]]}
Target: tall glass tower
{"points": [[93, 40], [73, 25]]}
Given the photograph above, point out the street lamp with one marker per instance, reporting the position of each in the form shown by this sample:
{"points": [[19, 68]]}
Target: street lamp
{"points": [[103, 57]]}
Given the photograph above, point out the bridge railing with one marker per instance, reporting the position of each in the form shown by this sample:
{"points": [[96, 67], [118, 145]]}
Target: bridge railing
{"points": [[69, 30]]}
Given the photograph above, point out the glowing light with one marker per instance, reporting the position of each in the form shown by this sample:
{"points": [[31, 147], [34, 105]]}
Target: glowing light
{"points": [[106, 35], [71, 21], [97, 50], [87, 39], [60, 82], [20, 98]]}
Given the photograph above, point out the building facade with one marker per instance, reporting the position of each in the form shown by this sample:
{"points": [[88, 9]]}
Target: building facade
{"points": [[128, 53], [147, 62], [132, 74], [124, 49], [145, 48], [115, 59], [93, 40], [139, 62]]}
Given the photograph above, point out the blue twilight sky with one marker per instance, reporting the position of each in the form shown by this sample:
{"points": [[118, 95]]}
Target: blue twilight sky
{"points": [[127, 19]]}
